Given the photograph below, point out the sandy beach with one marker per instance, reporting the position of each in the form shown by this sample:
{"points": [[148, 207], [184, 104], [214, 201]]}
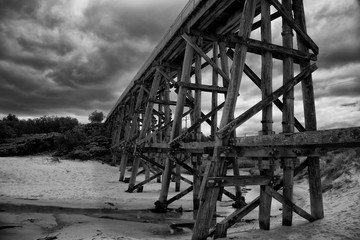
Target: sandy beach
{"points": [[42, 199]]}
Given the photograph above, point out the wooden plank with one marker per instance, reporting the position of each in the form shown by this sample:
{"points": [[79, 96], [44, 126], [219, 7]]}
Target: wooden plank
{"points": [[290, 204], [238, 180], [228, 128]]}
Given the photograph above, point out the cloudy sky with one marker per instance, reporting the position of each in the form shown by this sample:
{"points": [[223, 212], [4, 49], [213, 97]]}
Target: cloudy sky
{"points": [[71, 57]]}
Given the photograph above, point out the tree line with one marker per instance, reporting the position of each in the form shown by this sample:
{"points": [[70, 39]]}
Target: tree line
{"points": [[11, 126]]}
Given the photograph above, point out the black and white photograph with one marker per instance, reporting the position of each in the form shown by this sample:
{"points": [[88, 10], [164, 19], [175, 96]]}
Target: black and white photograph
{"points": [[179, 119]]}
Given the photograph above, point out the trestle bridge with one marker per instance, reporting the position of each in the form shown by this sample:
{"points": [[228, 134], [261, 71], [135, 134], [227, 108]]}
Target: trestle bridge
{"points": [[195, 73]]}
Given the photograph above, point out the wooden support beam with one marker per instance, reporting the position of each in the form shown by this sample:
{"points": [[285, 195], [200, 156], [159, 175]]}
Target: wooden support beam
{"points": [[146, 122], [207, 208], [177, 140], [187, 38], [204, 88], [267, 115], [179, 196], [196, 158], [334, 138], [144, 182], [316, 201], [162, 128], [127, 135], [273, 16], [189, 99], [237, 180], [257, 47], [238, 214], [291, 22], [177, 124], [289, 204], [171, 103], [182, 164], [228, 128], [288, 114], [253, 77], [161, 167]]}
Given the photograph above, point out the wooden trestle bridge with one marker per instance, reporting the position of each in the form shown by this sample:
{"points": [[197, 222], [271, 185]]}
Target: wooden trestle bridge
{"points": [[206, 52]]}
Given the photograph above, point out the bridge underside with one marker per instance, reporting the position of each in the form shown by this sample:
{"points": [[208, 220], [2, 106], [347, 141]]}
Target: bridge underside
{"points": [[194, 77]]}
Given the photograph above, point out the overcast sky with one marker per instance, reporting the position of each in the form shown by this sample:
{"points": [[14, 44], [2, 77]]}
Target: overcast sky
{"points": [[71, 57]]}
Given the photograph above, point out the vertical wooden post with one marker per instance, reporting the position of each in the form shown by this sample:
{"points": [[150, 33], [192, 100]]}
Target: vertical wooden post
{"points": [[288, 116], [160, 135], [177, 176], [207, 208], [146, 123], [316, 200], [176, 128], [267, 116], [127, 135], [214, 95], [196, 160], [116, 137], [134, 129]]}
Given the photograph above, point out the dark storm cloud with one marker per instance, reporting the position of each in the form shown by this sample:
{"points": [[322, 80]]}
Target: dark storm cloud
{"points": [[336, 30], [18, 8], [53, 60]]}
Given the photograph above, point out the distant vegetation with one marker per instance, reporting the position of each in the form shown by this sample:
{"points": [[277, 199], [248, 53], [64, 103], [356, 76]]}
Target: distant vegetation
{"points": [[60, 136], [11, 126], [96, 117]]}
